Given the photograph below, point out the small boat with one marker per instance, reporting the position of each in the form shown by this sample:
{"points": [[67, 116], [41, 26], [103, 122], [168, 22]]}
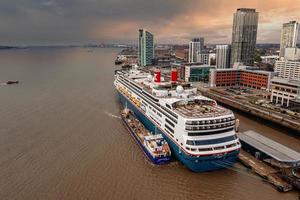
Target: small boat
{"points": [[12, 82], [120, 59], [154, 146]]}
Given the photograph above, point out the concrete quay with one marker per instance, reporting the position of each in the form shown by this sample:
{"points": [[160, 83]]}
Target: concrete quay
{"points": [[264, 171]]}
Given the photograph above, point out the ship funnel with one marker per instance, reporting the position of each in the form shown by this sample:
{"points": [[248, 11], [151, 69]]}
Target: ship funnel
{"points": [[157, 75], [174, 75]]}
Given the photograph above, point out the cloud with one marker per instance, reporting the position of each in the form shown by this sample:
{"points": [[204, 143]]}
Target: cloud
{"points": [[172, 21]]}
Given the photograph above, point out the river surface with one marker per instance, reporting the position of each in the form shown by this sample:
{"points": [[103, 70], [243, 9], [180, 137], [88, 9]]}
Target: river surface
{"points": [[61, 137]]}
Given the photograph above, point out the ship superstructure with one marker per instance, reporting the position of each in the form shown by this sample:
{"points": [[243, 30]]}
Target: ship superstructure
{"points": [[200, 133]]}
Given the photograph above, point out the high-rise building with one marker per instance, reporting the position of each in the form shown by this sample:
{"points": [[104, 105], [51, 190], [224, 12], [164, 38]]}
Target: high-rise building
{"points": [[289, 34], [205, 58], [244, 32], [195, 46], [292, 54], [288, 69], [223, 56], [146, 47]]}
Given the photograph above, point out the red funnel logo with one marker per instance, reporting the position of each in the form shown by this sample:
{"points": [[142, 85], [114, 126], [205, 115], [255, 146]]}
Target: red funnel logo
{"points": [[174, 75], [157, 75]]}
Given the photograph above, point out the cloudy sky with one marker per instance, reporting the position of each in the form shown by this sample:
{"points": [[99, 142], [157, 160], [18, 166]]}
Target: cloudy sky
{"points": [[43, 22]]}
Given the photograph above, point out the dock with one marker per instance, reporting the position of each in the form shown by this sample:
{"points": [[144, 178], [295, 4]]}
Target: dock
{"points": [[265, 171], [267, 149], [273, 161]]}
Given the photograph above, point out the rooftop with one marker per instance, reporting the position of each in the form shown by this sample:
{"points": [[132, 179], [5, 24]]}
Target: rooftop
{"points": [[273, 149], [196, 65], [294, 82], [246, 10], [245, 69]]}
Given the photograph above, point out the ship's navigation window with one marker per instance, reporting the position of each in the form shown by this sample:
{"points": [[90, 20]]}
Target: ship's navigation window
{"points": [[212, 141]]}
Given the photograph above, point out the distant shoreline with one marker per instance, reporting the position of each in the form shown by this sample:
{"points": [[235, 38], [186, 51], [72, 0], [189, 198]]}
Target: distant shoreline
{"points": [[4, 47], [121, 46], [7, 47]]}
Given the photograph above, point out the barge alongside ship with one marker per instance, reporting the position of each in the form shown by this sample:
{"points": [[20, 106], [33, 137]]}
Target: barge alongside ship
{"points": [[199, 132], [154, 146]]}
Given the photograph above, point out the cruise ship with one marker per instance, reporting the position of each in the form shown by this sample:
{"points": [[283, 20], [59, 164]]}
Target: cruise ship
{"points": [[200, 133]]}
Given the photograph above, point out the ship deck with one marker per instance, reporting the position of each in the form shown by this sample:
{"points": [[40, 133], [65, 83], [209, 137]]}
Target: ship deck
{"points": [[141, 132], [200, 109]]}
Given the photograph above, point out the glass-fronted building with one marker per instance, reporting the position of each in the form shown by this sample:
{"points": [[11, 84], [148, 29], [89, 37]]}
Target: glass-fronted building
{"points": [[244, 32], [197, 73], [146, 47]]}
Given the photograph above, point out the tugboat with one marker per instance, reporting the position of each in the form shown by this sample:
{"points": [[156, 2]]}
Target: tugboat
{"points": [[154, 146]]}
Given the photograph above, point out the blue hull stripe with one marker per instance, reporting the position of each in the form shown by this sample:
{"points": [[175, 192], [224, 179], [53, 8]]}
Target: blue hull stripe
{"points": [[195, 163]]}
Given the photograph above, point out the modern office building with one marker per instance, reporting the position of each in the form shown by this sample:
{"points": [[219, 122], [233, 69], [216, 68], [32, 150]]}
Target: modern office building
{"points": [[145, 47], [289, 34], [196, 46], [244, 32], [287, 69], [203, 58], [257, 79], [284, 90], [196, 73], [292, 54], [223, 56]]}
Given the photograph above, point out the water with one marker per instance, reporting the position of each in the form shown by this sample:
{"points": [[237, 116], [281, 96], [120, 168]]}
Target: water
{"points": [[61, 137]]}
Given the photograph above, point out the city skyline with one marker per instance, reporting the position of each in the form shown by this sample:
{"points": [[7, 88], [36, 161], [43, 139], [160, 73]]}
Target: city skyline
{"points": [[78, 22]]}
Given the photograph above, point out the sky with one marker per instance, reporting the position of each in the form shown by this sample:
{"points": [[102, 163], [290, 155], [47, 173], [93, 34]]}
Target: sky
{"points": [[53, 22]]}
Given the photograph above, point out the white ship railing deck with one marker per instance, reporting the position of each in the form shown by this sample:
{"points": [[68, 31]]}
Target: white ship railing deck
{"points": [[199, 109]]}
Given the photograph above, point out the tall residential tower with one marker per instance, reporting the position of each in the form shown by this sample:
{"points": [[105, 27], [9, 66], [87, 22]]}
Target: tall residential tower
{"points": [[223, 56], [146, 47], [195, 46], [244, 34], [289, 34]]}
